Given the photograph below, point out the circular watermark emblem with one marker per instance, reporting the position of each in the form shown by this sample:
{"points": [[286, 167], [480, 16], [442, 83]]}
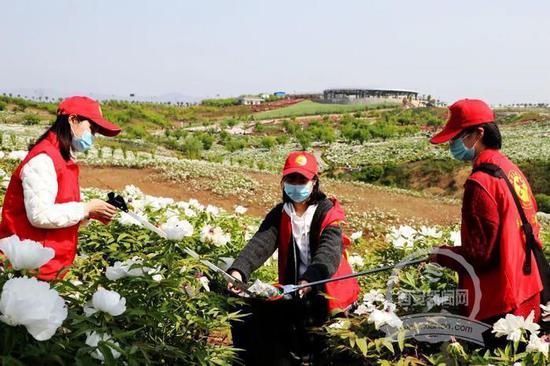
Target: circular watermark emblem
{"points": [[440, 326]]}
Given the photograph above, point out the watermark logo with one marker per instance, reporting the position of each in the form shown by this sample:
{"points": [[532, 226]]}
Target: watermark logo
{"points": [[441, 326]]}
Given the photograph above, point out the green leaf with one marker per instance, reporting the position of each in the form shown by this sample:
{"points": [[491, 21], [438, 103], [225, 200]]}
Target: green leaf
{"points": [[362, 344]]}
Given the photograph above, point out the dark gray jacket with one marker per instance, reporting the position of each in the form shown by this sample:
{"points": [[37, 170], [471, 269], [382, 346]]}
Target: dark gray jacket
{"points": [[326, 248]]}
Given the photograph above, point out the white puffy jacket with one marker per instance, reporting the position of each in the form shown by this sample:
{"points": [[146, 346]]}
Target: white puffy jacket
{"points": [[40, 190]]}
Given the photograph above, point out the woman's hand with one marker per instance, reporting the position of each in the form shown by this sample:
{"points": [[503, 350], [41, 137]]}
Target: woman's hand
{"points": [[230, 286], [304, 291], [100, 210]]}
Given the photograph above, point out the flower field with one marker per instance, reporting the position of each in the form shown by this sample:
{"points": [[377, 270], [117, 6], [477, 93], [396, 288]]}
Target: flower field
{"points": [[133, 297]]}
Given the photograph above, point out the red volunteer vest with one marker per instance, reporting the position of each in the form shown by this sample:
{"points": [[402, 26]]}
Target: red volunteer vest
{"points": [[505, 287], [14, 217], [340, 294]]}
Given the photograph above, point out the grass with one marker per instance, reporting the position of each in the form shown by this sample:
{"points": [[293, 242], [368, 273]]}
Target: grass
{"points": [[309, 108]]}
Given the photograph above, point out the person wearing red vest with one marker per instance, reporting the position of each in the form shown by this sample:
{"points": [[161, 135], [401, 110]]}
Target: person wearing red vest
{"points": [[42, 201], [305, 229], [493, 241]]}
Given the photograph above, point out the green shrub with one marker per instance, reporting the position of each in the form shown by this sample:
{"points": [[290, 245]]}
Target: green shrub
{"points": [[282, 139], [369, 173], [31, 119], [136, 131], [304, 139], [222, 102], [192, 147], [207, 140], [543, 202], [268, 142], [233, 144], [2, 106]]}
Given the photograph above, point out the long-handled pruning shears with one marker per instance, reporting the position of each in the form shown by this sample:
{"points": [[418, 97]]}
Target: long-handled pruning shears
{"points": [[289, 289], [119, 202]]}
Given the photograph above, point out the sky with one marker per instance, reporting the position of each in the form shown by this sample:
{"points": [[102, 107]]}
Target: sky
{"points": [[497, 50]]}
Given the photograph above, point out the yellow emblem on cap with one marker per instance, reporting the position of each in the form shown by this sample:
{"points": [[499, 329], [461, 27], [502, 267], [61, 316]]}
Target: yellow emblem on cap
{"points": [[301, 160], [521, 188], [100, 112]]}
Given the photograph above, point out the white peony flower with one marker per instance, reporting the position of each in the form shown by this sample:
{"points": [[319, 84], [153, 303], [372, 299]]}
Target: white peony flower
{"points": [[128, 268], [402, 237], [356, 261], [131, 191], [212, 210], [18, 155], [196, 205], [215, 236], [340, 324], [177, 229], [157, 203], [33, 304], [172, 213], [356, 235], [109, 302], [25, 254], [430, 232], [362, 310], [182, 205], [373, 296], [188, 212], [455, 238], [385, 316], [537, 344], [240, 210], [93, 339], [137, 205], [512, 326]]}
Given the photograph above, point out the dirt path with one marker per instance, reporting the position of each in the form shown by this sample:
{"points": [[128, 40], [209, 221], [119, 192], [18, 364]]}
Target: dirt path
{"points": [[354, 197]]}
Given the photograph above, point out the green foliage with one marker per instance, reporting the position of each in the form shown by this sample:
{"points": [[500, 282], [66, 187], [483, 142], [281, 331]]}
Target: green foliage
{"points": [[304, 139], [207, 140], [3, 105], [322, 131], [309, 108], [268, 142], [362, 130], [192, 147], [31, 119], [136, 131], [232, 144], [543, 202], [223, 102]]}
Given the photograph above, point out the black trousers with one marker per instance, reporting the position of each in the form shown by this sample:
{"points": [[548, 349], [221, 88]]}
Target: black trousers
{"points": [[279, 332]]}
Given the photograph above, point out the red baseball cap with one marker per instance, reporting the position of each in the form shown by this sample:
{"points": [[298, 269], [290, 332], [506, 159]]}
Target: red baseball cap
{"points": [[301, 162], [89, 108], [463, 114]]}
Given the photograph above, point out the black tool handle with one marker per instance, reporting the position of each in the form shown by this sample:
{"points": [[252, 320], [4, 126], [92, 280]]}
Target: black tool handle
{"points": [[117, 201]]}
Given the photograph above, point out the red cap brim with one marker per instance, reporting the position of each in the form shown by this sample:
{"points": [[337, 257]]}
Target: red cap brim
{"points": [[445, 135], [309, 175], [106, 128]]}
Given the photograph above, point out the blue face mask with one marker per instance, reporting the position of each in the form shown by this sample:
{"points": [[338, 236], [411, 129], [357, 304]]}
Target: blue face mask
{"points": [[298, 192], [460, 151], [83, 143]]}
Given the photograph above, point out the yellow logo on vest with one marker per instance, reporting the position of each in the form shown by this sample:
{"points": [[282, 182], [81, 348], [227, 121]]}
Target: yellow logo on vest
{"points": [[521, 187], [301, 160]]}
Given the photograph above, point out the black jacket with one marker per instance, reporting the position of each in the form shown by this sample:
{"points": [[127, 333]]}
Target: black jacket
{"points": [[326, 249]]}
